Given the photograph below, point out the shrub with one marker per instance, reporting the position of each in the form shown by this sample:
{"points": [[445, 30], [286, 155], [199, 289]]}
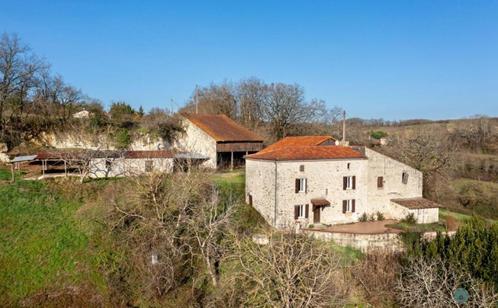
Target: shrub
{"points": [[375, 275], [363, 217], [451, 223], [473, 249], [409, 219], [371, 217], [122, 138], [378, 134], [380, 216]]}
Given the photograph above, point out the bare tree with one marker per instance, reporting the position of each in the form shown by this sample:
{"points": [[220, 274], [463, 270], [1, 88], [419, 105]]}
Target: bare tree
{"points": [[432, 283], [292, 270], [376, 274], [19, 70], [252, 95], [207, 228], [215, 99], [426, 152]]}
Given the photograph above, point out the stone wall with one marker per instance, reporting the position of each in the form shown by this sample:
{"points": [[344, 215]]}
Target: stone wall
{"points": [[260, 184], [195, 140], [128, 167], [391, 170], [423, 216], [369, 242], [363, 242]]}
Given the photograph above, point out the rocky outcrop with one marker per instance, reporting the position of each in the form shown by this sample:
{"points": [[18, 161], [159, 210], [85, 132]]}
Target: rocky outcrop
{"points": [[3, 153], [101, 142]]}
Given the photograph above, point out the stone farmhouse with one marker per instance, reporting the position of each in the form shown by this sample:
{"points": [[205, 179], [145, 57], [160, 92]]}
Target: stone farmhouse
{"points": [[310, 180], [218, 137]]}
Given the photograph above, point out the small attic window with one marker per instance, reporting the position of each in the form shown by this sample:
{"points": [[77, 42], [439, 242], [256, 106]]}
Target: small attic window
{"points": [[404, 177], [301, 168], [349, 165]]}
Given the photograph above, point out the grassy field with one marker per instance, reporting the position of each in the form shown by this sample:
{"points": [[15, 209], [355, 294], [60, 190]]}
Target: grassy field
{"points": [[42, 245]]}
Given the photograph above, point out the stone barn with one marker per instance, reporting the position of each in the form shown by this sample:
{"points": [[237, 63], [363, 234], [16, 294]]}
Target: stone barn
{"points": [[220, 138]]}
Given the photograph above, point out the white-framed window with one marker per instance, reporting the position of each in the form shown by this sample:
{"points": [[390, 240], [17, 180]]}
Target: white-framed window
{"points": [[349, 206], [349, 182], [301, 211], [301, 185]]}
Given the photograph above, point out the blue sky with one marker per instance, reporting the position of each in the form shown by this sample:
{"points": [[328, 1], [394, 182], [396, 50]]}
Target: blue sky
{"points": [[391, 59]]}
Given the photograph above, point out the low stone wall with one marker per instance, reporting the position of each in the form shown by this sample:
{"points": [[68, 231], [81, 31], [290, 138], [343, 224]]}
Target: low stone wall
{"points": [[368, 242], [363, 242]]}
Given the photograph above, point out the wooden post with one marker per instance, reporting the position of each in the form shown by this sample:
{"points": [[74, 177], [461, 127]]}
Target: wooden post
{"points": [[231, 160], [65, 168], [13, 174]]}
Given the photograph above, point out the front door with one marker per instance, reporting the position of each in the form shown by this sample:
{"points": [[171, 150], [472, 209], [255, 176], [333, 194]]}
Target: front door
{"points": [[316, 214]]}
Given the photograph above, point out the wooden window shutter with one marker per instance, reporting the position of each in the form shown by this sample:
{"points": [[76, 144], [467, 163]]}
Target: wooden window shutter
{"points": [[296, 212], [344, 183], [354, 182], [307, 210], [305, 185], [297, 186], [353, 206], [344, 206]]}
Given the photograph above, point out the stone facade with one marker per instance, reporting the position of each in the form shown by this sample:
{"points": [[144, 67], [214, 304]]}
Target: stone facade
{"points": [[270, 187], [197, 141], [391, 171], [117, 167], [423, 216]]}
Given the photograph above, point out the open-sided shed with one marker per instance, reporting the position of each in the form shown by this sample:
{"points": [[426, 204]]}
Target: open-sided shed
{"points": [[220, 138]]}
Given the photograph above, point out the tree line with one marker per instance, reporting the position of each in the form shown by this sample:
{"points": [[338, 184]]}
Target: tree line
{"points": [[278, 109]]}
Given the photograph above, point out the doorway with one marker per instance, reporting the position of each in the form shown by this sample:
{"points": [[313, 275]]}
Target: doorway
{"points": [[316, 214]]}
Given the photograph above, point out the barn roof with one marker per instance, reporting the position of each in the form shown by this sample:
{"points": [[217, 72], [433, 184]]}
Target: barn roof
{"points": [[222, 128], [307, 153]]}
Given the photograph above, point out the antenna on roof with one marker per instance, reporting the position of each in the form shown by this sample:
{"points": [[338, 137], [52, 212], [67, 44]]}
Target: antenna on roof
{"points": [[343, 142], [196, 101], [344, 126]]}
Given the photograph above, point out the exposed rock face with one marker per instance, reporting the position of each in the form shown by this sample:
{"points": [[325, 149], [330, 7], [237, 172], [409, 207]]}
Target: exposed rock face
{"points": [[100, 142], [3, 150]]}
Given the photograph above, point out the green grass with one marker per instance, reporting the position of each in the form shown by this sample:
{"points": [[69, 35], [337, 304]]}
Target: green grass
{"points": [[236, 177], [42, 245], [348, 253], [437, 226], [460, 217]]}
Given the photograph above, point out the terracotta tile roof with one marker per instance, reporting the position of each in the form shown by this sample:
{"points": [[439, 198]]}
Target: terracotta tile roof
{"points": [[416, 203], [298, 141], [149, 154], [80, 154], [307, 153], [222, 128]]}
